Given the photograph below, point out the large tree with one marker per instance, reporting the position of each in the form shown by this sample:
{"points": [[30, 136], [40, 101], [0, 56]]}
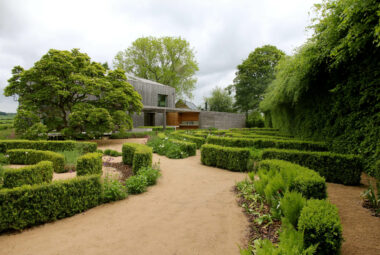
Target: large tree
{"points": [[220, 100], [72, 94], [167, 60], [254, 75]]}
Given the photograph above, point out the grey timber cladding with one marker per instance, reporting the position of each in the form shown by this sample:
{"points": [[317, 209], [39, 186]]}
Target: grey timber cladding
{"points": [[221, 120], [149, 92]]}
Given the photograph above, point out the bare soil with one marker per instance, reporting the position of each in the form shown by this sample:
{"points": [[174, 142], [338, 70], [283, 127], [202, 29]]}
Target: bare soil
{"points": [[191, 210], [361, 230]]}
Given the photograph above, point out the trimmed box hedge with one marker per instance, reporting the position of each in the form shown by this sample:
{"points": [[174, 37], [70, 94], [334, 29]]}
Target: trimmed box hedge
{"points": [[199, 141], [29, 175], [188, 147], [31, 157], [28, 205], [90, 163], [267, 143], [338, 168], [235, 159], [307, 182], [47, 145], [159, 128], [320, 223], [137, 155]]}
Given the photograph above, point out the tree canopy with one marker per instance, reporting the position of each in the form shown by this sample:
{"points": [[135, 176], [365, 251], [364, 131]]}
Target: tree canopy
{"points": [[220, 100], [167, 60], [329, 90], [254, 75], [70, 93]]}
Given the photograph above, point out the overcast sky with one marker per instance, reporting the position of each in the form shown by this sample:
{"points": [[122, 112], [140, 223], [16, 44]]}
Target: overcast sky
{"points": [[222, 33]]}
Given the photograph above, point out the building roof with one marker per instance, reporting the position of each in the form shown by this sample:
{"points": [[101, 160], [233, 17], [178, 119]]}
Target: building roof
{"points": [[132, 77]]}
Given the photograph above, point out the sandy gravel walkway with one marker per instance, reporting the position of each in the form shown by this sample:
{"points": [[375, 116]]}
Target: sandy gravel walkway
{"points": [[192, 210]]}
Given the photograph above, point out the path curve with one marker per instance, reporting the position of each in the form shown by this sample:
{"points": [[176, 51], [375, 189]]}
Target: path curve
{"points": [[192, 210]]}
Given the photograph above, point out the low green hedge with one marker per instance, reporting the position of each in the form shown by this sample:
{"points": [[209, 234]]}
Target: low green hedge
{"points": [[199, 141], [188, 147], [137, 155], [31, 157], [29, 175], [26, 206], [253, 129], [254, 136], [320, 223], [338, 168], [235, 159], [267, 143], [159, 128], [90, 163], [124, 135], [306, 181], [47, 145]]}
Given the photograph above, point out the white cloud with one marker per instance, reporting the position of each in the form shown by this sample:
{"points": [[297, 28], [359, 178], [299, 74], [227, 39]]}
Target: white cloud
{"points": [[222, 33]]}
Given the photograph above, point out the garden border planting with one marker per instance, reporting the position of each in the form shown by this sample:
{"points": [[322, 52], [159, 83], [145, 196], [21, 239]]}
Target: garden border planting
{"points": [[47, 145], [31, 157], [338, 168], [90, 163], [199, 141], [188, 147], [137, 155]]}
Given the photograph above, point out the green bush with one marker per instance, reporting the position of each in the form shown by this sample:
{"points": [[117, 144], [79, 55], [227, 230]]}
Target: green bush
{"points": [[338, 168], [111, 153], [189, 148], [136, 184], [36, 174], [319, 220], [199, 141], [267, 143], [137, 155], [113, 190], [235, 159], [254, 119], [159, 128], [47, 145], [31, 157], [300, 179], [90, 163], [125, 135], [26, 206], [150, 174], [291, 206]]}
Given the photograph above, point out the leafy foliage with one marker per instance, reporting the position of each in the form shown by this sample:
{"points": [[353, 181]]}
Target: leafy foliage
{"points": [[89, 164], [137, 155], [136, 184], [329, 89], [220, 101], [113, 190], [72, 94], [167, 60], [151, 174]]}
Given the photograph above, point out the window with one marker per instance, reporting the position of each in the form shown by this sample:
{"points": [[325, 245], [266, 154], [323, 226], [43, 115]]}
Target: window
{"points": [[162, 100]]}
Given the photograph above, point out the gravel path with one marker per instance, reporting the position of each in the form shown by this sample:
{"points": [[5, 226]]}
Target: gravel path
{"points": [[192, 210]]}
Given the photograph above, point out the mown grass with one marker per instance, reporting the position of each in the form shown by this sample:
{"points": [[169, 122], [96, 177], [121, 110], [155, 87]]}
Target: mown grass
{"points": [[71, 158]]}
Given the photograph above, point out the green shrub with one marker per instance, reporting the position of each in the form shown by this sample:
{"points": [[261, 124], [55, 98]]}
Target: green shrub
{"points": [[338, 168], [90, 163], [111, 153], [267, 143], [125, 135], [113, 190], [300, 179], [36, 174], [188, 147], [136, 184], [199, 141], [137, 155], [3, 159], [235, 159], [84, 147], [26, 206], [31, 157], [159, 128], [150, 174], [291, 206], [319, 220]]}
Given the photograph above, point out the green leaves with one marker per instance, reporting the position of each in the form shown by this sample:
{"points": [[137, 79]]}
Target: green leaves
{"points": [[167, 60]]}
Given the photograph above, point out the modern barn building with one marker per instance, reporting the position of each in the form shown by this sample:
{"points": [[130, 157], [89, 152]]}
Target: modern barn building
{"points": [[159, 110]]}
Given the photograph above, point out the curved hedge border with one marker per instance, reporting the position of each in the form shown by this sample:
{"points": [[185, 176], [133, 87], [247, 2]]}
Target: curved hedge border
{"points": [[307, 182], [267, 143], [137, 155], [32, 205], [90, 163], [47, 145], [29, 175], [338, 168], [320, 223], [188, 147], [199, 141], [31, 157], [235, 159]]}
